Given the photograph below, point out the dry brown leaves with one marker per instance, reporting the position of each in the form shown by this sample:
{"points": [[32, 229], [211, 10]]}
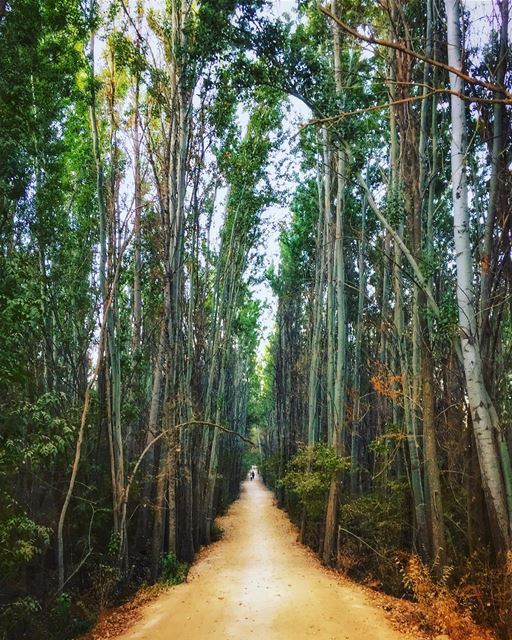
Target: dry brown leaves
{"points": [[113, 622]]}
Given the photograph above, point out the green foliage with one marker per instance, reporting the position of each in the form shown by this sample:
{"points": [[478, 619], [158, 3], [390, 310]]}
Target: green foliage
{"points": [[395, 208], [61, 612], [37, 47], [375, 531], [21, 539], [217, 532], [66, 619], [270, 469], [40, 435], [19, 616], [309, 473], [126, 53], [171, 570], [297, 243], [448, 315], [216, 28], [386, 442]]}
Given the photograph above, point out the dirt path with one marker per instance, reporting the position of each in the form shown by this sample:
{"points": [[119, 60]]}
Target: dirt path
{"points": [[258, 582]]}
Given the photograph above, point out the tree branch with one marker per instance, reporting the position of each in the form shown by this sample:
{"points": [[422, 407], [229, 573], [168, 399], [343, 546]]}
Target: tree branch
{"points": [[386, 105], [419, 56]]}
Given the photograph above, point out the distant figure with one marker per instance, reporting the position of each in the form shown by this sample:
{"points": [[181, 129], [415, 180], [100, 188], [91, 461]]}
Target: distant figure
{"points": [[252, 475]]}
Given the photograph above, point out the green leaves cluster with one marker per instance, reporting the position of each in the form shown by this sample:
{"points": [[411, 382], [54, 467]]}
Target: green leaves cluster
{"points": [[309, 474], [173, 571], [21, 539]]}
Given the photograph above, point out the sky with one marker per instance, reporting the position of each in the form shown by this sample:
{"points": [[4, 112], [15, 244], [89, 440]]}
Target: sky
{"points": [[275, 218]]}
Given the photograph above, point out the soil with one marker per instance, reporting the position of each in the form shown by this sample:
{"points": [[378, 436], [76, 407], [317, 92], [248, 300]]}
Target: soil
{"points": [[259, 582]]}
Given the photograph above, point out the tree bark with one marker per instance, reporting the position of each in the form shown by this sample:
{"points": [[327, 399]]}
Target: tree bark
{"points": [[480, 404]]}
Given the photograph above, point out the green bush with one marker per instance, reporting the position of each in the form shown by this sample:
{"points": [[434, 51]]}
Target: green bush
{"points": [[17, 618], [172, 571], [216, 532], [374, 532], [308, 476], [66, 620], [21, 539]]}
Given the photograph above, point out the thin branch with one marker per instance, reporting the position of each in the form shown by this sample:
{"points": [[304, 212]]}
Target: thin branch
{"points": [[386, 105], [365, 543], [414, 54], [217, 426], [377, 107]]}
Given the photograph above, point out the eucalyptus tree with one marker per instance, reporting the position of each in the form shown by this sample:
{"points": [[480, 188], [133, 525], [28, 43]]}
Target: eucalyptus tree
{"points": [[495, 472]]}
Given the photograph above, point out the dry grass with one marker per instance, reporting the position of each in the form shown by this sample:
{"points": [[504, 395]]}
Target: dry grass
{"points": [[440, 606]]}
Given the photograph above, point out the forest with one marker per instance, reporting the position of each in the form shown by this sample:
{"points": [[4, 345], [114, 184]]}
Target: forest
{"points": [[238, 232]]}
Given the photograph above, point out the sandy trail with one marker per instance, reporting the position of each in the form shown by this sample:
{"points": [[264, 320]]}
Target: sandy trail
{"points": [[258, 582]]}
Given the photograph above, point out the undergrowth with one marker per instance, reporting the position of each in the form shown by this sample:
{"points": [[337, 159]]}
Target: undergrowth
{"points": [[216, 532], [441, 608], [172, 571], [375, 547]]}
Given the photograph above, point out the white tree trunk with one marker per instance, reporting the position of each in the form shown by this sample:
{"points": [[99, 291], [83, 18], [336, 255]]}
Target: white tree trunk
{"points": [[482, 410]]}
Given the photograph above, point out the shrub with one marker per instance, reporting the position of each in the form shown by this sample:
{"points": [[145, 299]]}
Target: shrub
{"points": [[105, 579], [172, 571], [308, 476], [486, 590], [21, 539], [216, 531], [441, 610], [374, 531], [66, 620], [269, 469], [17, 618]]}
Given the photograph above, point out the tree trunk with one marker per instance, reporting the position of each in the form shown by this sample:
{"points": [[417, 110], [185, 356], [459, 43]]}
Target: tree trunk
{"points": [[317, 322], [479, 401], [337, 438], [355, 436]]}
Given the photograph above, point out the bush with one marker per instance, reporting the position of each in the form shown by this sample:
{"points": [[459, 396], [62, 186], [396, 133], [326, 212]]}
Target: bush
{"points": [[172, 571], [441, 610], [216, 532], [21, 539], [486, 590], [105, 579], [308, 476], [66, 620], [17, 618], [269, 469], [374, 537]]}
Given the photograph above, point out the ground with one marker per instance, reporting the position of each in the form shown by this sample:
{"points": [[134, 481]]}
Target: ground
{"points": [[260, 582]]}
